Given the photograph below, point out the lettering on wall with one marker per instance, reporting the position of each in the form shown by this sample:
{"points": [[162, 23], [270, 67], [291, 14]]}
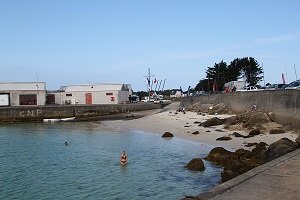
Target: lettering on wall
{"points": [[31, 113]]}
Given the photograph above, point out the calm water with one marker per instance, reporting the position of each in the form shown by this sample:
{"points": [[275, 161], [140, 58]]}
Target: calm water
{"points": [[35, 164]]}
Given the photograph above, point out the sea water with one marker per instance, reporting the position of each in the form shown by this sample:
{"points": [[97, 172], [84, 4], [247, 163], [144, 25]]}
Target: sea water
{"points": [[36, 164]]}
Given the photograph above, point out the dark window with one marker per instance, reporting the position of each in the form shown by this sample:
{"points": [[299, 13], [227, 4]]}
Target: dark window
{"points": [[27, 99], [109, 93], [68, 95], [50, 99]]}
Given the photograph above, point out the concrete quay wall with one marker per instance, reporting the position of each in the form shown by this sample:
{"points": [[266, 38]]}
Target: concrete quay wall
{"points": [[285, 104], [38, 113]]}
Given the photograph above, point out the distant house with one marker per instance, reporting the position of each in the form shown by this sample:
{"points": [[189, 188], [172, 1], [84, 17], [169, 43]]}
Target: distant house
{"points": [[89, 94], [22, 93]]}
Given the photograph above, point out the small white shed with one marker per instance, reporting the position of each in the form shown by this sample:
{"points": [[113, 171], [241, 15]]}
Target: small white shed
{"points": [[22, 93], [92, 94]]}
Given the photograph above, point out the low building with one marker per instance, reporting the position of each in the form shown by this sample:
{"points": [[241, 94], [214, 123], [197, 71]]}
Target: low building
{"points": [[90, 94], [22, 93]]}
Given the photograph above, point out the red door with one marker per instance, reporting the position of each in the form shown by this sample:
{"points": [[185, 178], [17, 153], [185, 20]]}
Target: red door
{"points": [[88, 98]]}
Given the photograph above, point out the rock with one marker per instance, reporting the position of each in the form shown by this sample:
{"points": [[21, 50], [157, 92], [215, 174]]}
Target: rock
{"points": [[276, 131], [224, 138], [257, 118], [281, 147], [251, 144], [208, 131], [167, 134], [195, 133], [212, 122], [260, 152], [196, 165], [200, 108], [219, 155], [219, 130], [226, 127], [254, 132], [241, 161], [287, 128], [271, 116], [197, 122], [298, 140], [248, 119], [236, 134]]}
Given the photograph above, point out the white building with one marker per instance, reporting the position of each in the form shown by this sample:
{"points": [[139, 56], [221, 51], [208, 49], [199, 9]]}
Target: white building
{"points": [[91, 94], [22, 93]]}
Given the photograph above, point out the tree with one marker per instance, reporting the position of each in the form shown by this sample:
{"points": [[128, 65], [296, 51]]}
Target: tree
{"points": [[217, 75], [234, 70], [251, 70], [202, 85], [222, 73]]}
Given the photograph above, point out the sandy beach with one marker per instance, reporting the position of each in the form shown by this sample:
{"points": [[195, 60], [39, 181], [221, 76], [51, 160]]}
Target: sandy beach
{"points": [[182, 125]]}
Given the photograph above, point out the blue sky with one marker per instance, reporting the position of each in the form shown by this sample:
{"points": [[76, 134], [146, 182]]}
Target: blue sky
{"points": [[95, 41]]}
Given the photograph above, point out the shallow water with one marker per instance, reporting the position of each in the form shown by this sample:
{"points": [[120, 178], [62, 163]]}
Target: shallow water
{"points": [[35, 164]]}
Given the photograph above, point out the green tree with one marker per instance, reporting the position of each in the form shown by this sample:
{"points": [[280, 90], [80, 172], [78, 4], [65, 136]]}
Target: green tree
{"points": [[202, 85], [251, 70], [217, 75]]}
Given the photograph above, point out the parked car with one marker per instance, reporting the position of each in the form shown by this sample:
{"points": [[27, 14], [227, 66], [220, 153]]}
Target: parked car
{"points": [[248, 88], [293, 85], [276, 87]]}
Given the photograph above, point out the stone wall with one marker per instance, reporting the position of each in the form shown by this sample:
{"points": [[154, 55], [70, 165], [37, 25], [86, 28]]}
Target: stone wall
{"points": [[284, 104], [38, 113]]}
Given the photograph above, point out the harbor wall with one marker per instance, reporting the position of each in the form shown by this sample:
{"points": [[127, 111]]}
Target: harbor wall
{"points": [[38, 113], [285, 104]]}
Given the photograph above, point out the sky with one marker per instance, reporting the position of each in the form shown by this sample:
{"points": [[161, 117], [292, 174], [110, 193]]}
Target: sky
{"points": [[66, 42]]}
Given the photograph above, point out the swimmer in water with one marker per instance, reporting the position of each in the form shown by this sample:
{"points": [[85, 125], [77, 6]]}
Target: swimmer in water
{"points": [[123, 158]]}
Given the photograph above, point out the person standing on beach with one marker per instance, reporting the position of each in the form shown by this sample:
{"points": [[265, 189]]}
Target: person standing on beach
{"points": [[123, 158]]}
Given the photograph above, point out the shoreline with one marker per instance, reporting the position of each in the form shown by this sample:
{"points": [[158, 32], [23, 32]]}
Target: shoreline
{"points": [[183, 125]]}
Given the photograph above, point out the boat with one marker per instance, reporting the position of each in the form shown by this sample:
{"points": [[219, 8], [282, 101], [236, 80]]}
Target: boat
{"points": [[67, 119], [59, 119]]}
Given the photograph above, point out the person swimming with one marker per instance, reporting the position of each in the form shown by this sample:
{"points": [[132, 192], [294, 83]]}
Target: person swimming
{"points": [[123, 158]]}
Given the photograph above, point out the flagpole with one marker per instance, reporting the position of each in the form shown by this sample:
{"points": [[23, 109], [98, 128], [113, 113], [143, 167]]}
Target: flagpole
{"points": [[295, 72], [262, 65], [149, 82]]}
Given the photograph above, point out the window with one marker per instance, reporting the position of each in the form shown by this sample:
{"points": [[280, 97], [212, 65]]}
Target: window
{"points": [[109, 93], [28, 99], [68, 95]]}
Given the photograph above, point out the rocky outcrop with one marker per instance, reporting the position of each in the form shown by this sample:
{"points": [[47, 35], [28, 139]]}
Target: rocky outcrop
{"points": [[240, 161], [212, 122], [219, 155], [167, 134], [281, 147], [271, 115], [249, 119], [224, 138], [276, 131], [298, 140], [254, 132], [236, 134], [196, 165], [220, 108], [195, 132]]}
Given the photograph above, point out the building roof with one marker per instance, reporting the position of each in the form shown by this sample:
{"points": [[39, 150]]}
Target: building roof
{"points": [[97, 87], [8, 86]]}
